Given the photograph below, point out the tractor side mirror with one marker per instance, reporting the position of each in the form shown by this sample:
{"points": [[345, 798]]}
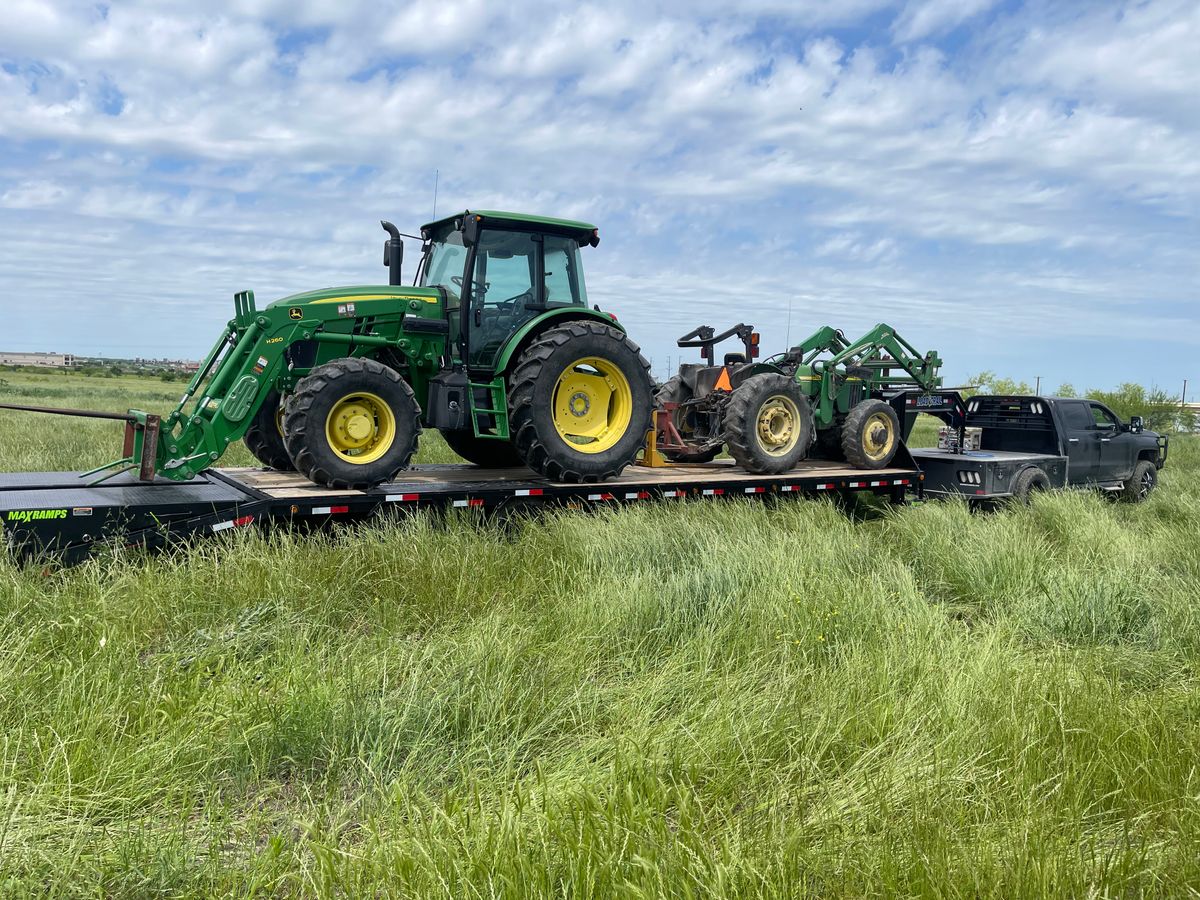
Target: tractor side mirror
{"points": [[1136, 424], [393, 252]]}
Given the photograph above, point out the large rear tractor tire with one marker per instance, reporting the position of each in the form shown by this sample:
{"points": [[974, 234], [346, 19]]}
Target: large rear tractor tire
{"points": [[264, 437], [675, 391], [871, 435], [352, 424], [768, 424], [580, 400], [487, 453]]}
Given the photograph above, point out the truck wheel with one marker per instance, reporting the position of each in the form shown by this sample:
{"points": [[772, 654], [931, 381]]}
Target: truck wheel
{"points": [[352, 424], [1141, 483], [487, 453], [871, 435], [675, 391], [768, 424], [264, 437], [579, 402], [1027, 481]]}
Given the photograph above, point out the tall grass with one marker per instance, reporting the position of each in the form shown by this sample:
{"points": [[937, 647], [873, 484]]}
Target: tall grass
{"points": [[691, 699]]}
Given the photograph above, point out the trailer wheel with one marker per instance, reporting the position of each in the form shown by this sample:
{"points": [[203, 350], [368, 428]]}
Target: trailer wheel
{"points": [[580, 402], [1141, 483], [768, 424], [487, 453], [675, 391], [352, 424], [1027, 481], [871, 435], [264, 437]]}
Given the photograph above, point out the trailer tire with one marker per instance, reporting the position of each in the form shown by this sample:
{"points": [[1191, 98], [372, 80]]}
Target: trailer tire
{"points": [[768, 424], [675, 391], [264, 437], [871, 435], [1141, 483], [1028, 481], [487, 453], [352, 424], [550, 394]]}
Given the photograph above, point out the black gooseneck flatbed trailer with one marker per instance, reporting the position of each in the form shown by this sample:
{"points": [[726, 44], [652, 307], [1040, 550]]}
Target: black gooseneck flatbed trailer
{"points": [[58, 515]]}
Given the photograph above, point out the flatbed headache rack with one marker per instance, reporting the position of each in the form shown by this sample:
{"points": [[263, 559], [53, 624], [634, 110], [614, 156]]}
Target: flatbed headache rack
{"points": [[56, 515]]}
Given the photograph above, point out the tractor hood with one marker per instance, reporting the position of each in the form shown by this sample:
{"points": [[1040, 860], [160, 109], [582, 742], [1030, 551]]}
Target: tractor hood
{"points": [[357, 294]]}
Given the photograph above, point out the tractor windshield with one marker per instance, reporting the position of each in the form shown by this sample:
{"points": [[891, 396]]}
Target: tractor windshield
{"points": [[447, 258]]}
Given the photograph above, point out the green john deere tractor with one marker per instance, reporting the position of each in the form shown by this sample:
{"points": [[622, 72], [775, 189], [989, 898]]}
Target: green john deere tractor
{"points": [[825, 397], [494, 345]]}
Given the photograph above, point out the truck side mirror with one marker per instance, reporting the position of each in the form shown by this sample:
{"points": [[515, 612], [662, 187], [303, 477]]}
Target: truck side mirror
{"points": [[1136, 424]]}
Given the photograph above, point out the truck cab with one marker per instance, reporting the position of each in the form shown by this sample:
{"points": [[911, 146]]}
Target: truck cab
{"points": [[1027, 443]]}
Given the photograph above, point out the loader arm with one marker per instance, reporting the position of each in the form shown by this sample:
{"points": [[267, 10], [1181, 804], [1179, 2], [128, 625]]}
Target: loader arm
{"points": [[882, 351]]}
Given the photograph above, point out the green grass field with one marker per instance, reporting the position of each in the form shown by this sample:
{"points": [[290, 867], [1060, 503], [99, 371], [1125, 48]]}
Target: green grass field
{"points": [[704, 699]]}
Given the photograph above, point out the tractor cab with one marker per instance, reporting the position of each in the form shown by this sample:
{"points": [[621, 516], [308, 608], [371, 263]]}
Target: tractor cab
{"points": [[499, 272]]}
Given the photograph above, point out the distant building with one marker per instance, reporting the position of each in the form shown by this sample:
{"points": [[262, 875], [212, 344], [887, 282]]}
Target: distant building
{"points": [[44, 360]]}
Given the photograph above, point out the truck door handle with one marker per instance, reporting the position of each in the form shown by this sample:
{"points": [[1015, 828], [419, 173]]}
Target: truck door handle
{"points": [[1072, 440], [1105, 440]]}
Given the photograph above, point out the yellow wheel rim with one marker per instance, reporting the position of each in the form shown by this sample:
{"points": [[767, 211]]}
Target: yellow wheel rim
{"points": [[593, 404], [878, 436], [360, 428], [778, 425]]}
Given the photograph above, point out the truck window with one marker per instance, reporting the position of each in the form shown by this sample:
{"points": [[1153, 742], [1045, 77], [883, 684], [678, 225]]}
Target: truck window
{"points": [[1077, 416], [1102, 417]]}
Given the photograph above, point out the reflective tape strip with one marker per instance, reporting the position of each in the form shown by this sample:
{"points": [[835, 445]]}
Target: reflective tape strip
{"points": [[401, 498], [235, 523], [755, 490], [858, 484], [878, 483], [901, 481], [826, 487], [470, 501], [600, 496], [787, 488], [221, 526], [330, 510], [530, 492], [637, 495], [672, 493], [713, 492]]}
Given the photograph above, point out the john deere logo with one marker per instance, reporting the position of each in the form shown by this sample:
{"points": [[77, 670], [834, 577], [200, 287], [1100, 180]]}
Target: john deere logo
{"points": [[36, 515], [296, 313]]}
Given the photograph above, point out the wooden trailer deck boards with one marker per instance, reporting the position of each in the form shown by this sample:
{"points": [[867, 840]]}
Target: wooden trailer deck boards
{"points": [[60, 514]]}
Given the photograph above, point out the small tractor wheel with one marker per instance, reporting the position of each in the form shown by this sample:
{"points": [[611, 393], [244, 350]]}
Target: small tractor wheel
{"points": [[1027, 481], [352, 424], [264, 437], [675, 391], [580, 402], [1141, 483], [768, 424], [487, 453], [871, 435]]}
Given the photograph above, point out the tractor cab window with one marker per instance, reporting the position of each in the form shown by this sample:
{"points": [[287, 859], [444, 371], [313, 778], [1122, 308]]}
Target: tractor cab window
{"points": [[502, 291], [447, 257], [564, 277]]}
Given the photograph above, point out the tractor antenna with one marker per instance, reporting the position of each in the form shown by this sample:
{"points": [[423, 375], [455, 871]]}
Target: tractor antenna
{"points": [[436, 173]]}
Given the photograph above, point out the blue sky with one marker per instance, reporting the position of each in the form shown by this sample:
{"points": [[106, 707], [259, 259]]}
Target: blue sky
{"points": [[1015, 185]]}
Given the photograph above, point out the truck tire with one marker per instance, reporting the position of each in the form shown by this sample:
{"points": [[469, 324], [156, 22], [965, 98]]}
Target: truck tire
{"points": [[1141, 483], [1027, 482], [264, 437], [871, 435], [352, 424], [768, 424], [580, 402], [487, 453], [675, 391]]}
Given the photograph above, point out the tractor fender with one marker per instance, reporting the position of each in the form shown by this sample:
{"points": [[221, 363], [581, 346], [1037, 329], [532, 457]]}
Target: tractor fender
{"points": [[530, 330]]}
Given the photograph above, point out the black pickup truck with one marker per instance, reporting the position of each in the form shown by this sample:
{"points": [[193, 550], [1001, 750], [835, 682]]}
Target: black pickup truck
{"points": [[1039, 443]]}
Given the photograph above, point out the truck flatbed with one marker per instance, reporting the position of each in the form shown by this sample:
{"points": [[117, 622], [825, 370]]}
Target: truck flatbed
{"points": [[58, 514]]}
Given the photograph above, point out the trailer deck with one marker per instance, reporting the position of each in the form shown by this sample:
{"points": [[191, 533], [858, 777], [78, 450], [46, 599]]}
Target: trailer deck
{"points": [[57, 514]]}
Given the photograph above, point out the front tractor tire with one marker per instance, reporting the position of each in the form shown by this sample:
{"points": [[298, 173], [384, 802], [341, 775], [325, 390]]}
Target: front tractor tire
{"points": [[768, 424], [264, 437], [487, 453], [580, 400], [871, 435], [352, 424]]}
